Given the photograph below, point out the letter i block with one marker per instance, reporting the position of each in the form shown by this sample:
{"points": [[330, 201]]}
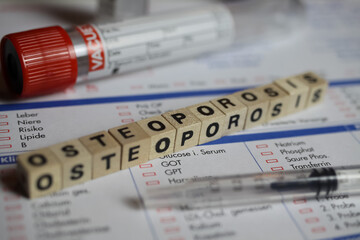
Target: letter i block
{"points": [[298, 93], [105, 153], [279, 101], [317, 86], [257, 104], [235, 113], [76, 162], [135, 144], [39, 172], [187, 128], [162, 135], [212, 121]]}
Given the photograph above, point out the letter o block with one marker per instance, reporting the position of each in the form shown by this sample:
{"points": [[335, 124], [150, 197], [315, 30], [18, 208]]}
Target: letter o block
{"points": [[257, 104], [135, 144], [212, 121], [187, 128], [162, 135], [76, 162], [39, 172]]}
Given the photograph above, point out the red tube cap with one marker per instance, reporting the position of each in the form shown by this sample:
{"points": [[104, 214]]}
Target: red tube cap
{"points": [[38, 61]]}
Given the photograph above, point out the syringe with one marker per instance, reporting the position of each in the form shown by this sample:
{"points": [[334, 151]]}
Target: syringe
{"points": [[257, 188], [50, 59]]}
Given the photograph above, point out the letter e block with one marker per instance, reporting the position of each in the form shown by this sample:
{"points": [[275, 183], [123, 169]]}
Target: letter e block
{"points": [[105, 153], [317, 86], [39, 172], [235, 113], [135, 144], [212, 121], [76, 162], [187, 128], [279, 101], [298, 93], [162, 135], [257, 104]]}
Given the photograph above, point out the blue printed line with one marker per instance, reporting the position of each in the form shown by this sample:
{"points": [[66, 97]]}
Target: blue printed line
{"points": [[253, 157], [143, 97], [348, 237]]}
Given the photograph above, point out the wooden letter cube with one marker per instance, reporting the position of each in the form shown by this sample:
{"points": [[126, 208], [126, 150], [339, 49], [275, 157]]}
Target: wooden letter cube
{"points": [[39, 172], [279, 101], [135, 144], [235, 113], [212, 121], [317, 86], [298, 93], [187, 128], [257, 104], [162, 135], [76, 162], [105, 152]]}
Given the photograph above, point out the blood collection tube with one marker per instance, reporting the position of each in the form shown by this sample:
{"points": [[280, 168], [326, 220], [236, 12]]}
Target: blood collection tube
{"points": [[49, 59]]}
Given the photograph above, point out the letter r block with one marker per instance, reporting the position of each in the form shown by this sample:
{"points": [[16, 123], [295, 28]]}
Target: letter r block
{"points": [[39, 172], [105, 153], [235, 113], [187, 128], [212, 121], [76, 162], [135, 144], [162, 135]]}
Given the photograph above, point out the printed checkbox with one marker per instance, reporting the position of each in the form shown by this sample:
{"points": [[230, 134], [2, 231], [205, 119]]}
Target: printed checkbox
{"points": [[318, 230], [312, 220], [277, 169], [146, 165], [272, 161], [167, 219], [149, 174], [172, 229], [152, 183], [127, 120], [305, 210], [262, 146], [267, 153], [299, 201]]}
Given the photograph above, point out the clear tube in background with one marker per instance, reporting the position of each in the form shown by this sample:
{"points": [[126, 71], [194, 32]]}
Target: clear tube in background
{"points": [[257, 188], [50, 59]]}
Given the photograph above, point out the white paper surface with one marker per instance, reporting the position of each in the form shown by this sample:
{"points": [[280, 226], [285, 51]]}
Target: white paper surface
{"points": [[109, 207]]}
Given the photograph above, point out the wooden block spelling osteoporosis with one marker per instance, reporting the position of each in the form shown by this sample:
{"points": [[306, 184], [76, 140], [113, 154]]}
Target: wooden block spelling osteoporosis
{"points": [[162, 135], [235, 113], [298, 93], [279, 101], [212, 121], [135, 144], [187, 128], [105, 153], [257, 104], [317, 87], [76, 162], [39, 172]]}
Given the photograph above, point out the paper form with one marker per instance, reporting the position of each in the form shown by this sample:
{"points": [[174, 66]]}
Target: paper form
{"points": [[110, 207]]}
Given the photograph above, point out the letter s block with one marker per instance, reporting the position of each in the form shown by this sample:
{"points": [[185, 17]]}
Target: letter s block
{"points": [[317, 86], [39, 172], [187, 128], [279, 101], [76, 162], [162, 135], [135, 144], [212, 121], [257, 104], [105, 153]]}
